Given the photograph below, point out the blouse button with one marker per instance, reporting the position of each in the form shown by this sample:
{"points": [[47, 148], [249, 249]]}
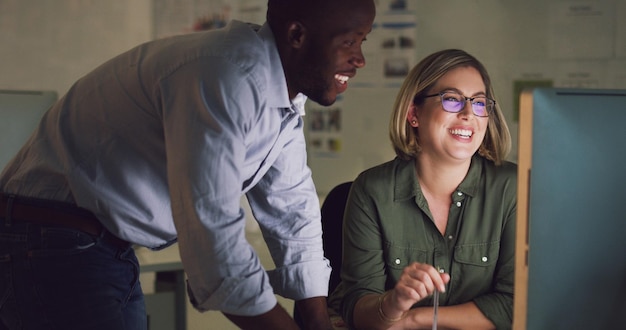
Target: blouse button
{"points": [[450, 237], [397, 261], [458, 204], [459, 193], [484, 259]]}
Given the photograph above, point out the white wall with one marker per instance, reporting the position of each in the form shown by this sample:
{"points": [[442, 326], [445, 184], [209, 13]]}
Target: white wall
{"points": [[48, 44]]}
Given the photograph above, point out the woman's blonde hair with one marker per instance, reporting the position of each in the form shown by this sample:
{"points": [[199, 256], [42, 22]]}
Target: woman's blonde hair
{"points": [[417, 84]]}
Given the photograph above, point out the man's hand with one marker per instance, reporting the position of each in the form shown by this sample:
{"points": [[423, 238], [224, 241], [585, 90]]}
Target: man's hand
{"points": [[276, 318]]}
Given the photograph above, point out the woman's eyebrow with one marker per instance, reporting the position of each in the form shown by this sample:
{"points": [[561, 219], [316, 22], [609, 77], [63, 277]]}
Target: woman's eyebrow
{"points": [[453, 89]]}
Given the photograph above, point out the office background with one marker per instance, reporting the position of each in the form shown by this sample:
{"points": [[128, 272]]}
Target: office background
{"points": [[48, 44]]}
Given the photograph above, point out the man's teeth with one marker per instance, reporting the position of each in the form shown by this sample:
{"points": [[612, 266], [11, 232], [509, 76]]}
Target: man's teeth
{"points": [[341, 79], [461, 132]]}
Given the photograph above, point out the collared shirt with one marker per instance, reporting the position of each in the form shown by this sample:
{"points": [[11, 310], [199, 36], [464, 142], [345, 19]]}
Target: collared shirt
{"points": [[162, 142], [388, 225]]}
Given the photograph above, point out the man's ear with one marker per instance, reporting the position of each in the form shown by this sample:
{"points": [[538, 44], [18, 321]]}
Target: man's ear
{"points": [[296, 34]]}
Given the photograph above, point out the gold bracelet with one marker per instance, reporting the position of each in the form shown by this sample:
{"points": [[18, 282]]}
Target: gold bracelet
{"points": [[382, 315]]}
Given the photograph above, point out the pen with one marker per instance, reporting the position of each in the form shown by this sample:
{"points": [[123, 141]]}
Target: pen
{"points": [[435, 308], [436, 303]]}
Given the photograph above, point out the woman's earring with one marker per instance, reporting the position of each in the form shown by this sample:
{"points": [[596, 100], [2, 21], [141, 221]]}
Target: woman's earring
{"points": [[413, 121]]}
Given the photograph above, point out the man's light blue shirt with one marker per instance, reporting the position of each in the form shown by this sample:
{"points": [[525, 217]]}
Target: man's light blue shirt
{"points": [[162, 141]]}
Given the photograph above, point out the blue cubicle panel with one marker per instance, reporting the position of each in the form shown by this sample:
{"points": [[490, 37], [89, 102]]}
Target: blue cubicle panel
{"points": [[20, 112], [577, 210]]}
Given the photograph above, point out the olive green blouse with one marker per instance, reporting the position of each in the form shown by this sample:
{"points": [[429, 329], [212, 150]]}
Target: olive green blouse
{"points": [[388, 225]]}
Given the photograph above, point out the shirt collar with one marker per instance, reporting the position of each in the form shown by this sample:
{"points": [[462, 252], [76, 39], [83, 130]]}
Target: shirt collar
{"points": [[471, 184], [277, 93], [407, 186]]}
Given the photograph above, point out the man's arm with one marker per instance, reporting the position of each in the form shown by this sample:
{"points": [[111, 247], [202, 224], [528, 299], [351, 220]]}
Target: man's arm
{"points": [[314, 313], [276, 318], [286, 206]]}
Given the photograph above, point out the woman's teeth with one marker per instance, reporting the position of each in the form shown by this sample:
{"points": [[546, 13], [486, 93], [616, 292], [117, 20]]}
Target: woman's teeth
{"points": [[461, 132]]}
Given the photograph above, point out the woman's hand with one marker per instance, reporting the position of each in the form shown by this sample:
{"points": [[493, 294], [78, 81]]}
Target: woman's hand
{"points": [[388, 310], [417, 282]]}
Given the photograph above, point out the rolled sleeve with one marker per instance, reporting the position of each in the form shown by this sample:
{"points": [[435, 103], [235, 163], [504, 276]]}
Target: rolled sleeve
{"points": [[497, 308], [301, 281], [235, 295], [285, 204]]}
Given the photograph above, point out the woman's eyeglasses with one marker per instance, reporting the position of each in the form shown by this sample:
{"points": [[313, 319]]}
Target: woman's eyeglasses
{"points": [[454, 102]]}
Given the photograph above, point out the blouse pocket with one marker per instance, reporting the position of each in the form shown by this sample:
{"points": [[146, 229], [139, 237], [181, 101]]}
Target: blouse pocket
{"points": [[398, 257], [475, 266], [482, 255]]}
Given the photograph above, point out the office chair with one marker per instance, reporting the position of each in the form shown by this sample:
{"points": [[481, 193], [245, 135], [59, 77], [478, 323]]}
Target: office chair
{"points": [[332, 220]]}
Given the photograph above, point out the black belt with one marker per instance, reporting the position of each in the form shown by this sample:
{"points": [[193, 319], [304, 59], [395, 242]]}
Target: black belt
{"points": [[47, 212]]}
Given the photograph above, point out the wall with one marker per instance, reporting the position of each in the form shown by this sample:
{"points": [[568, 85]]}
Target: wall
{"points": [[47, 44]]}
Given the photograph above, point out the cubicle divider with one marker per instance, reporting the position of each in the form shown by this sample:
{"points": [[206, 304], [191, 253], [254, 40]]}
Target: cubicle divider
{"points": [[570, 264]]}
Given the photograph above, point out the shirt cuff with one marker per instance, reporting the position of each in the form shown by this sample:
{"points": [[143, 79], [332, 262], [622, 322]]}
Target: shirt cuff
{"points": [[235, 295], [302, 280], [498, 308]]}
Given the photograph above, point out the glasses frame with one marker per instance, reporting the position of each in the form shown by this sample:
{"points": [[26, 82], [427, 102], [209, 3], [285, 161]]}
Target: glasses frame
{"points": [[490, 109]]}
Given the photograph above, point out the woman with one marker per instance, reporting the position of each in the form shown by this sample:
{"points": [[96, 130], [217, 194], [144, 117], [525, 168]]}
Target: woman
{"points": [[441, 215]]}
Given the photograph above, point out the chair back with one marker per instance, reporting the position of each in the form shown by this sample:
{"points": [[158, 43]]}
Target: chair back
{"points": [[332, 211]]}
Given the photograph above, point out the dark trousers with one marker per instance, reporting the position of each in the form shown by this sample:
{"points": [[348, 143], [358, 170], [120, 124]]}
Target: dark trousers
{"points": [[62, 278]]}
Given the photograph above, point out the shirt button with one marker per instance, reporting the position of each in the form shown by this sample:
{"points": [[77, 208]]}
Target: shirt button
{"points": [[484, 259], [450, 237], [458, 204], [397, 261], [459, 193]]}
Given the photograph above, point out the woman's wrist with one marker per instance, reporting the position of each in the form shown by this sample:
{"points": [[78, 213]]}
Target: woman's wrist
{"points": [[386, 317]]}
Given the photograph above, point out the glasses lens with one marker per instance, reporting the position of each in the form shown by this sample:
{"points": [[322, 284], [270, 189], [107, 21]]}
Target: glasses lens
{"points": [[455, 102], [480, 106], [452, 102]]}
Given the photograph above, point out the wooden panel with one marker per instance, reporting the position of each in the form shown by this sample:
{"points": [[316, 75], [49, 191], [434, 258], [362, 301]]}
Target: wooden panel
{"points": [[521, 243]]}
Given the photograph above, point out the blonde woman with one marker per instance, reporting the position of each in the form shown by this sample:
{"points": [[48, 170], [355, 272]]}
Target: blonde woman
{"points": [[438, 217]]}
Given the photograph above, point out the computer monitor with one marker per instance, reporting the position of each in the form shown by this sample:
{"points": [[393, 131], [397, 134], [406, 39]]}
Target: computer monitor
{"points": [[571, 221], [20, 112]]}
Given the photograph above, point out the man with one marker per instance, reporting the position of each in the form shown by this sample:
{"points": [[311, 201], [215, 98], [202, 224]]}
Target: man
{"points": [[158, 145]]}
